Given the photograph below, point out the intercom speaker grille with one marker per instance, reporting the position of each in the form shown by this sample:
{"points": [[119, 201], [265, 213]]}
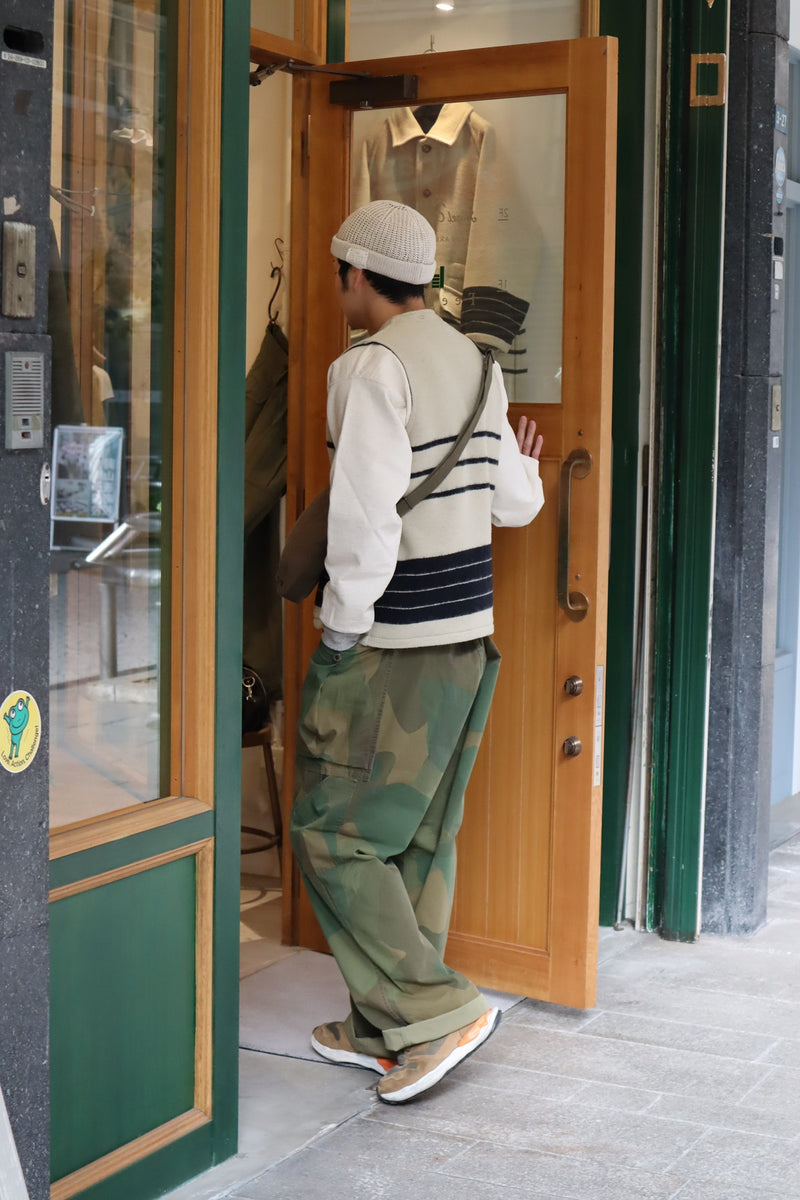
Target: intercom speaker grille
{"points": [[24, 400], [27, 383]]}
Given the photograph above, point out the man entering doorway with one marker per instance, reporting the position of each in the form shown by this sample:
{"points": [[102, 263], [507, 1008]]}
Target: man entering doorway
{"points": [[398, 692]]}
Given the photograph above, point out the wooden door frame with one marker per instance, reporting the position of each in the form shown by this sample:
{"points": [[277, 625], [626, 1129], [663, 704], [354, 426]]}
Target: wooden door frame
{"points": [[579, 69], [195, 344]]}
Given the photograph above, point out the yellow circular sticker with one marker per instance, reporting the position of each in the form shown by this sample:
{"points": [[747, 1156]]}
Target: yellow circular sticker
{"points": [[20, 731]]}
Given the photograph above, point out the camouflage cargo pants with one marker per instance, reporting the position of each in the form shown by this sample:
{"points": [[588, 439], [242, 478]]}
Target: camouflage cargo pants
{"points": [[386, 743]]}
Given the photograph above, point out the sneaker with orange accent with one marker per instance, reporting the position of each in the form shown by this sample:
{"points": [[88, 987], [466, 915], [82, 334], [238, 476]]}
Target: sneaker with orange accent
{"points": [[420, 1067], [331, 1041]]}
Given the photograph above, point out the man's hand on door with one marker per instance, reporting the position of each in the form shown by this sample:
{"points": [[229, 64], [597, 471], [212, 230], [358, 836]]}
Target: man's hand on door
{"points": [[529, 444]]}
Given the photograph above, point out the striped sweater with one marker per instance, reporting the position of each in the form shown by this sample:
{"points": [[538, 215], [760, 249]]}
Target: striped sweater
{"points": [[396, 402]]}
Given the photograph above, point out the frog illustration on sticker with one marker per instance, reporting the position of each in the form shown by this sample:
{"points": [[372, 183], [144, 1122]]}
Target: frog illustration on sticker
{"points": [[23, 731]]}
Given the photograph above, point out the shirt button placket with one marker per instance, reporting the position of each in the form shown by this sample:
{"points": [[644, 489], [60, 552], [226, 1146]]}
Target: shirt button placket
{"points": [[423, 161]]}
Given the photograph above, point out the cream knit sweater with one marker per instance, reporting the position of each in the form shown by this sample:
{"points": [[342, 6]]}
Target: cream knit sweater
{"points": [[395, 404]]}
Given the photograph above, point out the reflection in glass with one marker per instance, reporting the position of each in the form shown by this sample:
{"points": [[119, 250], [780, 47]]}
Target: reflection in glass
{"points": [[489, 177], [379, 28], [109, 414]]}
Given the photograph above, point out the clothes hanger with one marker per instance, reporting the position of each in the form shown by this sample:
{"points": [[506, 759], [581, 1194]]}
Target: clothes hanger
{"points": [[66, 198], [277, 274], [427, 115]]}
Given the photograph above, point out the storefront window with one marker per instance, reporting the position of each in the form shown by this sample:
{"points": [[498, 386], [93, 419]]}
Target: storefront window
{"points": [[489, 177], [110, 409], [379, 28]]}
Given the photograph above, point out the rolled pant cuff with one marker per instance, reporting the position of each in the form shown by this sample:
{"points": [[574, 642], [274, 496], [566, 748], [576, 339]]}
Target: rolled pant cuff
{"points": [[435, 1027]]}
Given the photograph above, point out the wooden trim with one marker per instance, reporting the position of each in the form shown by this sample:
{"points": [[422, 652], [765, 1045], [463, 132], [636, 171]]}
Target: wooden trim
{"points": [[702, 99], [176, 582], [125, 1156], [498, 966], [112, 827], [204, 975], [590, 18], [266, 48], [196, 367], [135, 868]]}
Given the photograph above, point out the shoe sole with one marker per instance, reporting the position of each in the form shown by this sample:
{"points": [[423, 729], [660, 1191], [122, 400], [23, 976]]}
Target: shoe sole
{"points": [[351, 1058], [454, 1059]]}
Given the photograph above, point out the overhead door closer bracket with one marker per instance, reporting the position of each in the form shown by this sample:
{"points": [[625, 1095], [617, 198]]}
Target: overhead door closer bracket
{"points": [[358, 90]]}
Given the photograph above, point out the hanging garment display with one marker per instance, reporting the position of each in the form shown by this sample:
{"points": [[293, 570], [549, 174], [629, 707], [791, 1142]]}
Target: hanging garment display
{"points": [[265, 483]]}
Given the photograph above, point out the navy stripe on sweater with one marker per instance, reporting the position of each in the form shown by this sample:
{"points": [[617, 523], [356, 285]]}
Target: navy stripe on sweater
{"points": [[464, 462], [487, 433], [438, 588]]}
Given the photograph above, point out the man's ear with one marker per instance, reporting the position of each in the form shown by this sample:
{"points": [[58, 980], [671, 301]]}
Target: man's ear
{"points": [[357, 278]]}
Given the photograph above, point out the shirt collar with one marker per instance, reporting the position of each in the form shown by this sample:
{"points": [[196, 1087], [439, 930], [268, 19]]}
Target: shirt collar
{"points": [[404, 127]]}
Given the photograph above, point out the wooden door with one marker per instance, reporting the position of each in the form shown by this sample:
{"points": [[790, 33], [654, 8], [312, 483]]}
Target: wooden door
{"points": [[525, 916]]}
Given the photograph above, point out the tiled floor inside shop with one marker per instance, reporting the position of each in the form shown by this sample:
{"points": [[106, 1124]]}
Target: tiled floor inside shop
{"points": [[683, 1082]]}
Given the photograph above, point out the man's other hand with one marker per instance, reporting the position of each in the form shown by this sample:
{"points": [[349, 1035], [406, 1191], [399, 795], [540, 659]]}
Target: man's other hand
{"points": [[529, 444]]}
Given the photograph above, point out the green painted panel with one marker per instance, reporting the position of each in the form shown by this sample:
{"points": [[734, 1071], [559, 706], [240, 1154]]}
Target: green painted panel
{"points": [[230, 523], [122, 1030], [337, 30]]}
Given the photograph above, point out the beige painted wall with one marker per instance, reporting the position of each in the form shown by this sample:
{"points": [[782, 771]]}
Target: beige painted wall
{"points": [[268, 205]]}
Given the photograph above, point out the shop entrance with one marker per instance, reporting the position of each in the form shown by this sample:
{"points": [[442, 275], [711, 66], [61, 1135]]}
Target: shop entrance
{"points": [[525, 262]]}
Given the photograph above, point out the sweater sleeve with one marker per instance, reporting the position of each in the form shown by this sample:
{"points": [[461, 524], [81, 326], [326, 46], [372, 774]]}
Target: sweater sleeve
{"points": [[368, 407], [518, 495]]}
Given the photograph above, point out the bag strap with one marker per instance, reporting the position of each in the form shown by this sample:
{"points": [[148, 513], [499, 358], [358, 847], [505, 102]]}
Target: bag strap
{"points": [[435, 477]]}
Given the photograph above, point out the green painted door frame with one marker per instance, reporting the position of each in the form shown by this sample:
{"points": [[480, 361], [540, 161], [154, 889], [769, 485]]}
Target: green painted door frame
{"points": [[627, 21], [692, 191]]}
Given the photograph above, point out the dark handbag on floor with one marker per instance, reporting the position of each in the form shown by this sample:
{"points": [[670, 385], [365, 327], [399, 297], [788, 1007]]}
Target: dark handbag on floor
{"points": [[255, 701], [303, 558]]}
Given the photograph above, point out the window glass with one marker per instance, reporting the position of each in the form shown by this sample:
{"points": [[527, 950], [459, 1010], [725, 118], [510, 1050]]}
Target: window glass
{"points": [[273, 16], [379, 28], [110, 412]]}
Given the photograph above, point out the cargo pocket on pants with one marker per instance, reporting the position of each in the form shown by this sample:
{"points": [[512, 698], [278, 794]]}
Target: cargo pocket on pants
{"points": [[340, 709]]}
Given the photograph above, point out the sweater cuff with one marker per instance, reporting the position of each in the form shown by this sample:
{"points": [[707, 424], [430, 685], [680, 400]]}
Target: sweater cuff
{"points": [[338, 641]]}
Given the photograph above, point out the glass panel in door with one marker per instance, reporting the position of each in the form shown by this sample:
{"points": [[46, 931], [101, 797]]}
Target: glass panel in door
{"points": [[489, 176], [111, 413], [278, 17]]}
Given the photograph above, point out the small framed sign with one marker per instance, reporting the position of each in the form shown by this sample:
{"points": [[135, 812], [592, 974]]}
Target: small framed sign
{"points": [[87, 473]]}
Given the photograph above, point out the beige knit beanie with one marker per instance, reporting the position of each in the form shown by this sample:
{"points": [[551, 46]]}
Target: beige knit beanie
{"points": [[390, 239]]}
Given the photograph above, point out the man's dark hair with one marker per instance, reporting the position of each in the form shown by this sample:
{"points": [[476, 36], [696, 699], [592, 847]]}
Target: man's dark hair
{"points": [[394, 290]]}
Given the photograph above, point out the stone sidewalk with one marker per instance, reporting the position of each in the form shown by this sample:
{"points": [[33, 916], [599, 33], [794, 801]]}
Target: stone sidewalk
{"points": [[683, 1082]]}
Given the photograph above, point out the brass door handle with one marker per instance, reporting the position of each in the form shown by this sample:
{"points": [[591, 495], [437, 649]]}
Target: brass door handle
{"points": [[579, 464]]}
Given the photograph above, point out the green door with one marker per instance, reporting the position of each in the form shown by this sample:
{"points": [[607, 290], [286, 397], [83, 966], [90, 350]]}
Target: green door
{"points": [[144, 656]]}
